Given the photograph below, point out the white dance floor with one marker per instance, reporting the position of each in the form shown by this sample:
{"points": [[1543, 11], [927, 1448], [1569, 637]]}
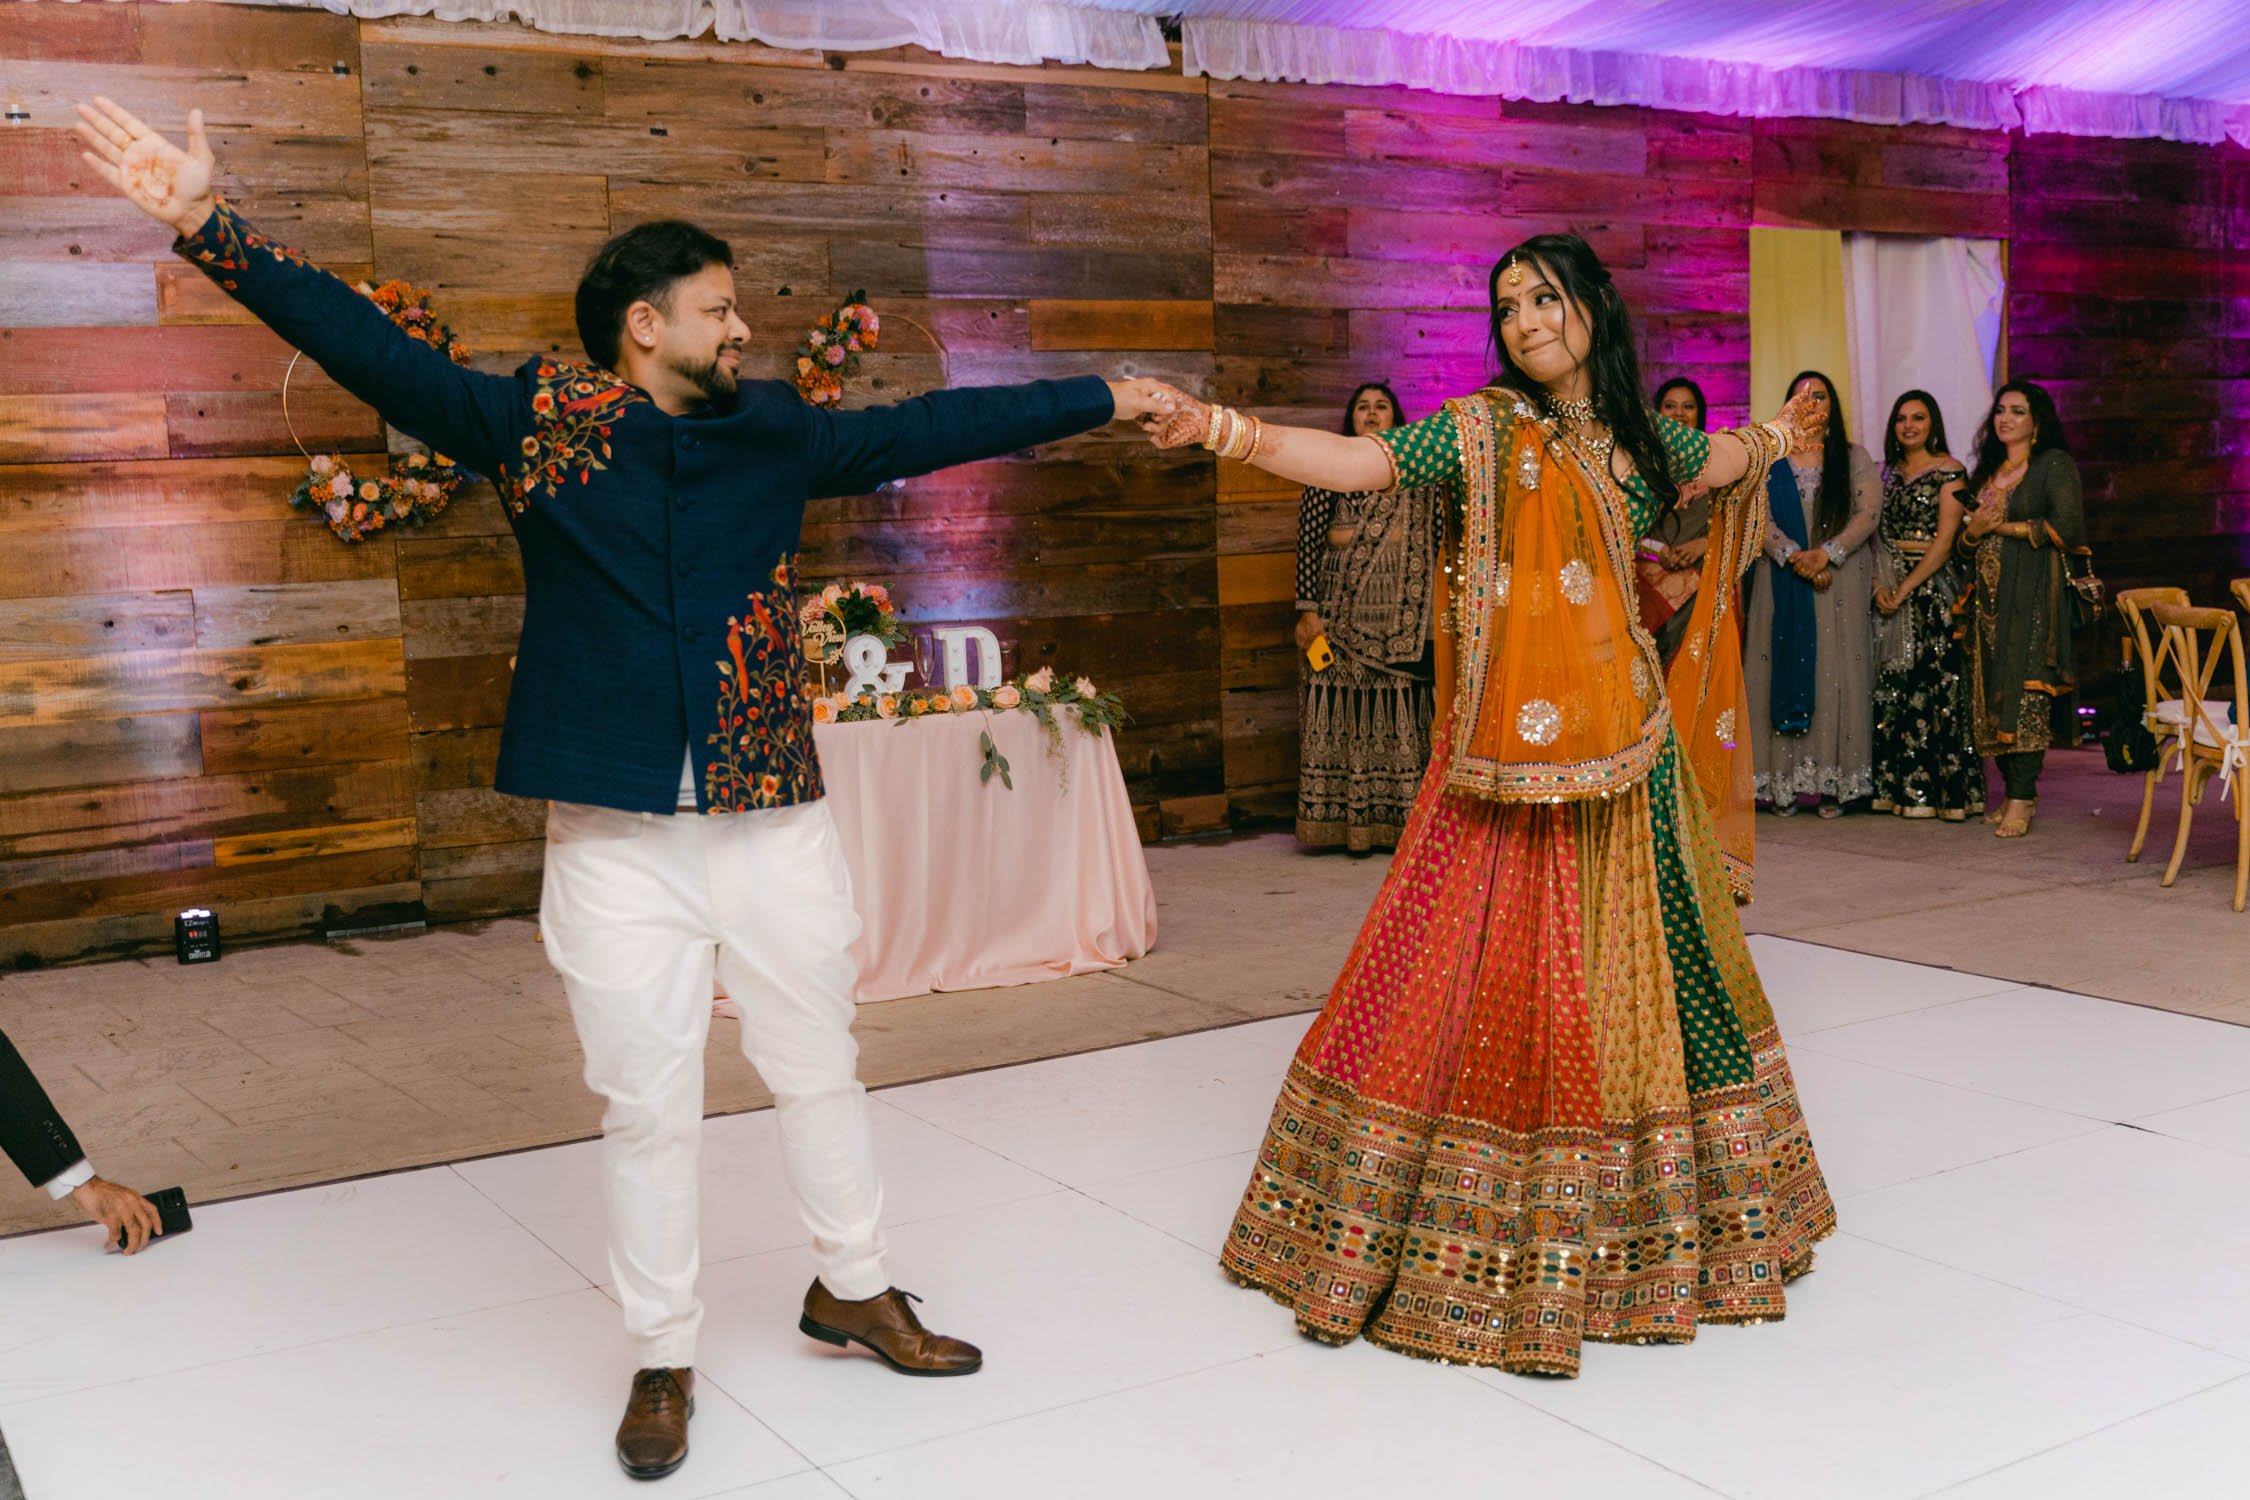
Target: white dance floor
{"points": [[2038, 1291]]}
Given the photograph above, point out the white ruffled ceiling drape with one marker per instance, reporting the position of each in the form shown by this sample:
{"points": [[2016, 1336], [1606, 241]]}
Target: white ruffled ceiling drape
{"points": [[990, 31], [2173, 69]]}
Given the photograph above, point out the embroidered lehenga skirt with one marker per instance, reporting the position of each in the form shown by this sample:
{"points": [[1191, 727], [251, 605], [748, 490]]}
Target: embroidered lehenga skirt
{"points": [[1363, 742], [1546, 1101]]}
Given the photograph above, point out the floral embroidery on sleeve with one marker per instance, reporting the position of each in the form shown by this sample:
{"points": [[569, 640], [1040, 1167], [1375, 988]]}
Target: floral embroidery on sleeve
{"points": [[226, 242], [763, 753], [575, 407]]}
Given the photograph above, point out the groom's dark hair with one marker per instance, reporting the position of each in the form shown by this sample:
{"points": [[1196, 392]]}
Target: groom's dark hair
{"points": [[640, 265]]}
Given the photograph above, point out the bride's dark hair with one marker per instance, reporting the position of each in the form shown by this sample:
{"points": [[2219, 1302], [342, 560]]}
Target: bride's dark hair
{"points": [[1570, 265]]}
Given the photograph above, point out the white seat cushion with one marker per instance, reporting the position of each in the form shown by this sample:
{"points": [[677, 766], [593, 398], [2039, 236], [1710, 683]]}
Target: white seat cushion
{"points": [[2173, 711], [2221, 734]]}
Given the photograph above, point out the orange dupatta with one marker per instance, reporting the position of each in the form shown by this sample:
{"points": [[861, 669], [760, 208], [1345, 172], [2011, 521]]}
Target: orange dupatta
{"points": [[1553, 681], [1710, 701], [1557, 692]]}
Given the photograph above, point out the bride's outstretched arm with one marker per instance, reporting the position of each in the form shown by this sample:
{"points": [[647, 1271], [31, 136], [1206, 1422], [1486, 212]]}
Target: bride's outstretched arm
{"points": [[1307, 455], [1798, 426]]}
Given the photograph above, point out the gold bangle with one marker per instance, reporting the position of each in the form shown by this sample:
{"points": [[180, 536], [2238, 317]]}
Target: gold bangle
{"points": [[1257, 439], [1389, 458], [1211, 433], [1245, 438]]}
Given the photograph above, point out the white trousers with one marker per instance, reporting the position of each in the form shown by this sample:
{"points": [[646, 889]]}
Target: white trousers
{"points": [[635, 909]]}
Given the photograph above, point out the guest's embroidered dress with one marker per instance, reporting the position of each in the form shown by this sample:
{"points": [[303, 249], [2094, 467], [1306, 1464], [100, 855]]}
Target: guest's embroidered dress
{"points": [[1925, 741], [1547, 1100], [1368, 565]]}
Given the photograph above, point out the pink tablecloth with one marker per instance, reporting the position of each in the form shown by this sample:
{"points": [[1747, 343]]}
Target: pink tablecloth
{"points": [[964, 884]]}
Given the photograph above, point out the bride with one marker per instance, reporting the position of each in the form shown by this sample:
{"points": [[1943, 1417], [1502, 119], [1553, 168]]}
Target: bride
{"points": [[1546, 1101]]}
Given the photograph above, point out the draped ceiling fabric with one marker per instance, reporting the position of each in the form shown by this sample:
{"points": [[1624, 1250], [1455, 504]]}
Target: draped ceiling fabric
{"points": [[2178, 69], [989, 31], [2175, 69]]}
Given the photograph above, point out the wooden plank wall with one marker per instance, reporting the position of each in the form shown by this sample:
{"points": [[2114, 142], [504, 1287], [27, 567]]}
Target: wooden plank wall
{"points": [[202, 696], [2129, 298], [1353, 230]]}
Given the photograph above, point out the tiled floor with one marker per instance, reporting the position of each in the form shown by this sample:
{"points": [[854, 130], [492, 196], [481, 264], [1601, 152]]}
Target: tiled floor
{"points": [[285, 1066], [2035, 1293]]}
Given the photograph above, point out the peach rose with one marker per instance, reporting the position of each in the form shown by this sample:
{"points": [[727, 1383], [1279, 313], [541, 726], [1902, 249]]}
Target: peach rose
{"points": [[831, 594], [1085, 687], [1041, 681], [886, 707], [1007, 697], [824, 711], [964, 697]]}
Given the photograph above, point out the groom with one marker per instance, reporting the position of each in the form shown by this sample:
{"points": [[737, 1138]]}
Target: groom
{"points": [[660, 703]]}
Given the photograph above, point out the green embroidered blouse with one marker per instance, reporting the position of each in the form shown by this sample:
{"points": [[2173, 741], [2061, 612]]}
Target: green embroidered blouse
{"points": [[1428, 452]]}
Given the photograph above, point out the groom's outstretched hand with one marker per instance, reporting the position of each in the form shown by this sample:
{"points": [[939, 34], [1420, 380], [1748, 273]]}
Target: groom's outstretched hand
{"points": [[168, 184], [1141, 399]]}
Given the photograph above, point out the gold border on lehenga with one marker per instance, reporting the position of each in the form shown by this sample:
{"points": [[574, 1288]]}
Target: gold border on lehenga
{"points": [[1360, 1218]]}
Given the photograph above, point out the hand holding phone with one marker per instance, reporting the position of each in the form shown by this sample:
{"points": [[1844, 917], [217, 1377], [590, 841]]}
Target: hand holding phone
{"points": [[171, 1216]]}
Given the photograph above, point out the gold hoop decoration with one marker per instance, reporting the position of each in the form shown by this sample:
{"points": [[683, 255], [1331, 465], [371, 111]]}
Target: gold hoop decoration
{"points": [[419, 486], [944, 356], [294, 356]]}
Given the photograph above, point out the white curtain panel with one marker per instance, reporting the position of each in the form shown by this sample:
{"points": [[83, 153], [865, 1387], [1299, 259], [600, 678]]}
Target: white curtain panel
{"points": [[1922, 314], [989, 31]]}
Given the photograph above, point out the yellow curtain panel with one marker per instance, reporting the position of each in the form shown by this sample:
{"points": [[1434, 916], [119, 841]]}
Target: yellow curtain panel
{"points": [[1797, 315]]}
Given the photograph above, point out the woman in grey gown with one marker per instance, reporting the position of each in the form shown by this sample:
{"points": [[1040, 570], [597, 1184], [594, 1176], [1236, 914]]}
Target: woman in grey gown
{"points": [[1808, 652]]}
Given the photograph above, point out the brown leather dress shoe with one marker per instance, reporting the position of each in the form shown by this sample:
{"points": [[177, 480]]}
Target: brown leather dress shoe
{"points": [[886, 1325], [652, 1440]]}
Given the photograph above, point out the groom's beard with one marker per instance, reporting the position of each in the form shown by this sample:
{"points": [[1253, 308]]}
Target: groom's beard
{"points": [[708, 376]]}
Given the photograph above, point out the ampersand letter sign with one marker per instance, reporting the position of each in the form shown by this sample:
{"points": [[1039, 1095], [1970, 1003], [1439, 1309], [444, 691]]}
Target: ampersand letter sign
{"points": [[868, 660]]}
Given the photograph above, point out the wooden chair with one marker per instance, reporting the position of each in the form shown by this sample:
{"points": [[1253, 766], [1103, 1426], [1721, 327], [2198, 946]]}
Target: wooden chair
{"points": [[2217, 743], [2241, 587], [2164, 718]]}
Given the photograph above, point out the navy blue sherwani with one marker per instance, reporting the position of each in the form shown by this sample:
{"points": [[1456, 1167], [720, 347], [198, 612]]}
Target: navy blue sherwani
{"points": [[659, 552]]}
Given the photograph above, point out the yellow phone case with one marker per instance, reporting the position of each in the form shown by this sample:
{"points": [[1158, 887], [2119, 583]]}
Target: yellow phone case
{"points": [[1319, 654]]}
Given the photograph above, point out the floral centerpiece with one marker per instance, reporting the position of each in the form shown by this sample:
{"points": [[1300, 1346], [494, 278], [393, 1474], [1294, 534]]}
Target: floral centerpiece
{"points": [[854, 608], [419, 485], [830, 353], [1042, 694]]}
